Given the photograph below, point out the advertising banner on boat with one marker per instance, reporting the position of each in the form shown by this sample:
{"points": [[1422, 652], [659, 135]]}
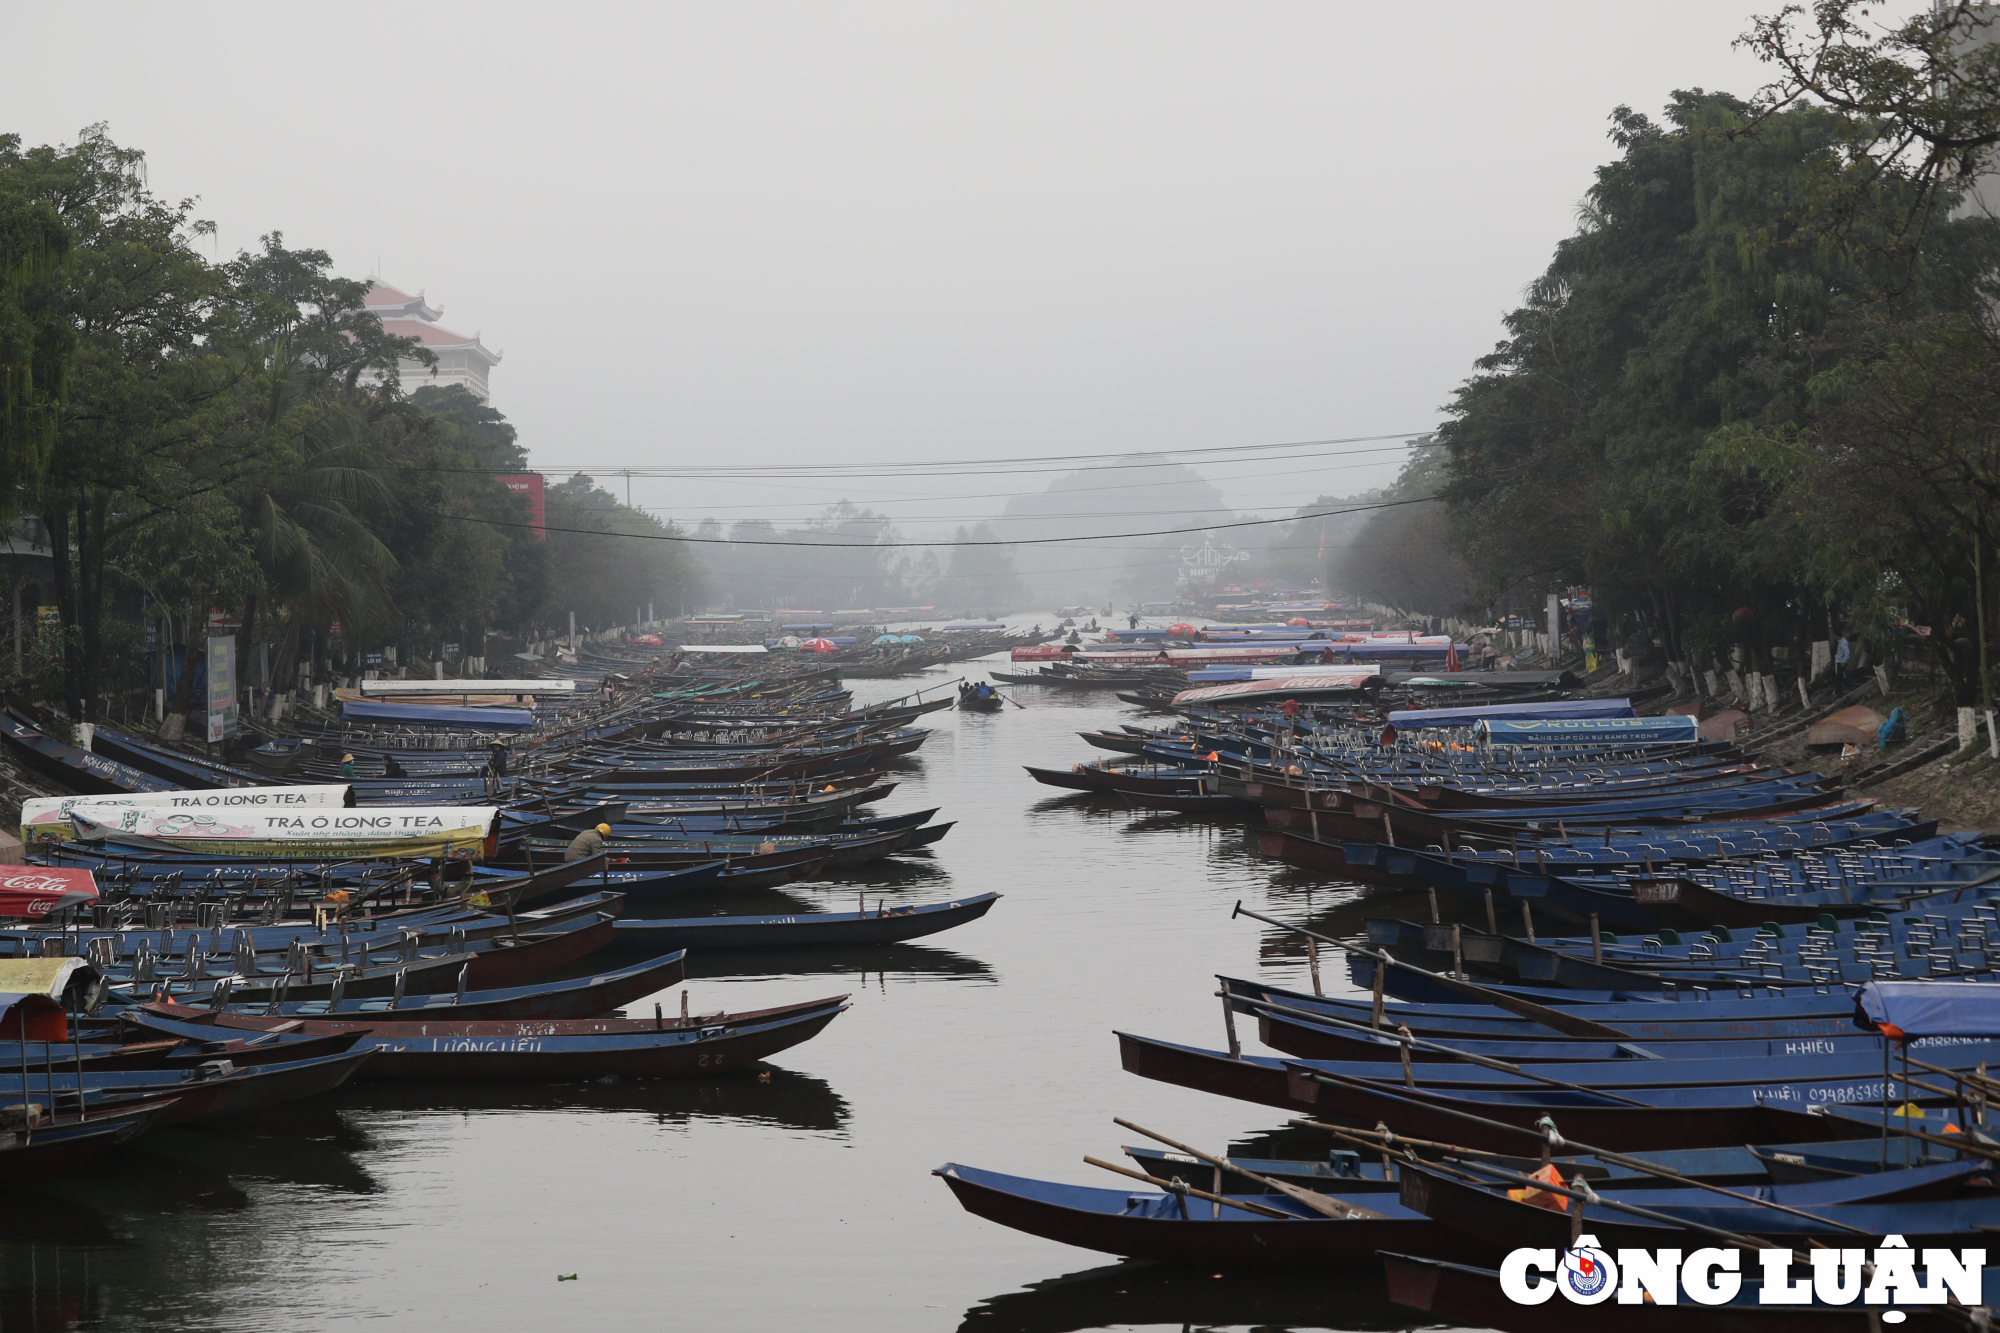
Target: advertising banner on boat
{"points": [[1673, 729], [46, 818], [221, 687], [455, 832], [36, 891], [1254, 691]]}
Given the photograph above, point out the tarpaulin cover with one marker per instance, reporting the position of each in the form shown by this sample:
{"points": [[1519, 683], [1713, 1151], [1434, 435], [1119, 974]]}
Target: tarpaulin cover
{"points": [[1472, 715], [35, 891], [485, 719], [31, 1018], [1251, 691], [1291, 671], [37, 976], [391, 689], [1671, 730], [1933, 1008]]}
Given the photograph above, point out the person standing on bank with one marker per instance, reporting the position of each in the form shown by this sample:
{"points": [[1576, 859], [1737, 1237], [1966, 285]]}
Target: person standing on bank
{"points": [[1842, 652]]}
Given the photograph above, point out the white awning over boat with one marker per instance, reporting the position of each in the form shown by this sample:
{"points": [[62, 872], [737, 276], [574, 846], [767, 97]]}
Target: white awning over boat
{"points": [[46, 818], [375, 689]]}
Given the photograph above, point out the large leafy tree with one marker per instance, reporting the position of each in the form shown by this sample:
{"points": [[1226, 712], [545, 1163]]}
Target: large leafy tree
{"points": [[1697, 296]]}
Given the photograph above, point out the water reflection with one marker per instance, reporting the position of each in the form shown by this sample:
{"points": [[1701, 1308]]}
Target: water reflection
{"points": [[913, 962], [1342, 915], [764, 1095], [1136, 1294]]}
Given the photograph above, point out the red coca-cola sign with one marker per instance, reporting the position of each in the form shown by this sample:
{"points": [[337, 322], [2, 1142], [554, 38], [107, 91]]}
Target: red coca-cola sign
{"points": [[36, 891]]}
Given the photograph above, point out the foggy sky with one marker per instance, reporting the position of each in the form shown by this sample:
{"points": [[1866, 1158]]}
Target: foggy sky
{"points": [[769, 234]]}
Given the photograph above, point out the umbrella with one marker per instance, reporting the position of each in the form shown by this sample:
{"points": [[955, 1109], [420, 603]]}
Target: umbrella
{"points": [[818, 646]]}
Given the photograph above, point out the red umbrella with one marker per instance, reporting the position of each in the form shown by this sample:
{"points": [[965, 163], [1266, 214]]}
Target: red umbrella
{"points": [[819, 646], [1296, 620], [1182, 628], [36, 891], [648, 641]]}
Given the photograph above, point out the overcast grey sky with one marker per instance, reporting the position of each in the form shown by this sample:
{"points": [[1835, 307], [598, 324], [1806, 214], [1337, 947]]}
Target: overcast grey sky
{"points": [[753, 233]]}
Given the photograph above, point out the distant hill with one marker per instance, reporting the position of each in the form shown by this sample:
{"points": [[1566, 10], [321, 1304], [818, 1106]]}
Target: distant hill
{"points": [[1138, 493]]}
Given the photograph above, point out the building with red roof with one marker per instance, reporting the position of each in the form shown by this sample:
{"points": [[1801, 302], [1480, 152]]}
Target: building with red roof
{"points": [[461, 359]]}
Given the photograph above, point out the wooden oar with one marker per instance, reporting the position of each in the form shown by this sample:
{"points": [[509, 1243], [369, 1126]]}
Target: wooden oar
{"points": [[1568, 1024], [1324, 1204], [1403, 1039], [1175, 1187], [1367, 1137]]}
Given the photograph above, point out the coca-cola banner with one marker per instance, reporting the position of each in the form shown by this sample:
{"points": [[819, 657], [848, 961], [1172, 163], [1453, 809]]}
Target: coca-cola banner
{"points": [[36, 891]]}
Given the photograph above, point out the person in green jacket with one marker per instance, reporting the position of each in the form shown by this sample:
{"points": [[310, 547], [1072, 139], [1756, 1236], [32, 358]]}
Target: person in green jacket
{"points": [[587, 843]]}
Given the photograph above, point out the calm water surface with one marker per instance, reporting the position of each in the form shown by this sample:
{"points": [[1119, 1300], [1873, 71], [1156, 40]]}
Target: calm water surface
{"points": [[804, 1202]]}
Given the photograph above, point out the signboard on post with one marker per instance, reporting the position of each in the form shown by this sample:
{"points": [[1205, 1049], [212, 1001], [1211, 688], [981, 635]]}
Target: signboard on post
{"points": [[221, 687], [529, 487]]}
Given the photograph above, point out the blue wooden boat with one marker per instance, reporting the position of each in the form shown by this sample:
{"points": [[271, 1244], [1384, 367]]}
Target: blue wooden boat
{"points": [[582, 997], [1139, 1224], [222, 1088], [1345, 1171], [59, 1147], [78, 770], [1883, 1203], [625, 1048], [1641, 1018], [882, 926]]}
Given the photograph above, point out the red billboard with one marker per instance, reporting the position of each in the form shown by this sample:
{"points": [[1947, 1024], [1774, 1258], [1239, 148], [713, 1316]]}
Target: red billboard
{"points": [[529, 487]]}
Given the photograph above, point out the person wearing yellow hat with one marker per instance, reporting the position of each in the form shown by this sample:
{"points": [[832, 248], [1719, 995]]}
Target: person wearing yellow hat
{"points": [[347, 766], [587, 843]]}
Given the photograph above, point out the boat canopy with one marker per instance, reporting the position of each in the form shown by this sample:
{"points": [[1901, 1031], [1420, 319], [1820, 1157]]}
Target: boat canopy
{"points": [[399, 688], [485, 719], [1931, 1008], [1282, 687], [46, 818], [1221, 673], [1472, 715], [36, 891], [456, 832], [1673, 729], [45, 977], [723, 648]]}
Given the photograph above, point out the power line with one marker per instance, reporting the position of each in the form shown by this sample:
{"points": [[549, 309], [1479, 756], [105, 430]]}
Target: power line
{"points": [[1018, 541]]}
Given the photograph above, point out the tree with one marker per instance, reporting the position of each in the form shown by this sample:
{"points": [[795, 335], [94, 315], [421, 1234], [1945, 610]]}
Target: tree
{"points": [[1699, 295]]}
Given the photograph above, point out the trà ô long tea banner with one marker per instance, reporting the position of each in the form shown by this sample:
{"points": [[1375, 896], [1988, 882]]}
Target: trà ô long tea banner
{"points": [[46, 818], [455, 832]]}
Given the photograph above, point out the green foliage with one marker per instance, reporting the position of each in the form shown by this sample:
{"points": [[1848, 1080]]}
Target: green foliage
{"points": [[1642, 423], [233, 435]]}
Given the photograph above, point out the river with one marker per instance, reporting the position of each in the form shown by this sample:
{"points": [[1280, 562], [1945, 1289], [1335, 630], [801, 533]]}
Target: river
{"points": [[801, 1202]]}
